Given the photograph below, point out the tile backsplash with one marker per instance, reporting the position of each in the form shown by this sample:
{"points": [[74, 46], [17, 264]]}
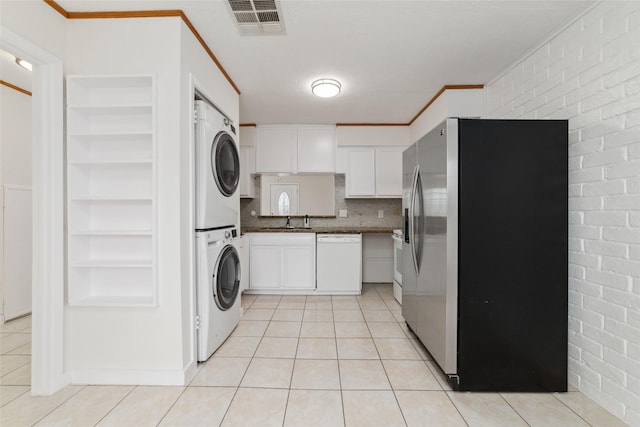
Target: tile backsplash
{"points": [[360, 212]]}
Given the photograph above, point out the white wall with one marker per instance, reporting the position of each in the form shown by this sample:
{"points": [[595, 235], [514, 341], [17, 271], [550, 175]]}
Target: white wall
{"points": [[15, 156], [452, 103], [350, 136], [37, 22], [197, 65], [40, 24], [15, 131], [589, 73], [136, 345]]}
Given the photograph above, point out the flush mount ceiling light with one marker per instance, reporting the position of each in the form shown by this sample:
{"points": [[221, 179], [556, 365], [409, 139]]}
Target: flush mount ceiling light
{"points": [[24, 64], [326, 88]]}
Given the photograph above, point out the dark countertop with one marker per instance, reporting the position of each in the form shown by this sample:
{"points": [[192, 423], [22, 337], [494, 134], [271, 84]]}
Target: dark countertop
{"points": [[319, 230]]}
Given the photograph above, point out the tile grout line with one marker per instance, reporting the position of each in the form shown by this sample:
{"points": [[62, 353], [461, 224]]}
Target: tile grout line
{"points": [[570, 408], [335, 337], [395, 396], [25, 391], [235, 393], [514, 409], [116, 405], [446, 393], [59, 405], [286, 405]]}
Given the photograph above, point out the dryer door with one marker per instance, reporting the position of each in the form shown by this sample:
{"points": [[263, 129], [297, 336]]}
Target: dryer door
{"points": [[225, 282], [225, 163]]}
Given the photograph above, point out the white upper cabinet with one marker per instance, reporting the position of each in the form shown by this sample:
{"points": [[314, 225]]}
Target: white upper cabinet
{"points": [[374, 172], [317, 149], [371, 159], [277, 149], [246, 185], [247, 150], [361, 173], [389, 171], [296, 149]]}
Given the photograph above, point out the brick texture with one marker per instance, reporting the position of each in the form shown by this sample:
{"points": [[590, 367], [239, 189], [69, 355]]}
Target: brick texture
{"points": [[589, 73]]}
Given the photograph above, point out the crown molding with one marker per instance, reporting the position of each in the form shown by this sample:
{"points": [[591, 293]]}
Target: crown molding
{"points": [[14, 87], [176, 13]]}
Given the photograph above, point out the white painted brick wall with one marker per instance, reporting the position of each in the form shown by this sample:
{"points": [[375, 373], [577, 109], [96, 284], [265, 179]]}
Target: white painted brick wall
{"points": [[589, 73]]}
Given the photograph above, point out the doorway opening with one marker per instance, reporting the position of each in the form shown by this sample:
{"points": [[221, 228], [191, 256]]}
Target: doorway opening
{"points": [[48, 249]]}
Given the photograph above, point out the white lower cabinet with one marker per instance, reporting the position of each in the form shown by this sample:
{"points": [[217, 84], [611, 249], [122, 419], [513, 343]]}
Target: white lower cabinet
{"points": [[282, 262], [377, 258], [265, 267], [299, 264]]}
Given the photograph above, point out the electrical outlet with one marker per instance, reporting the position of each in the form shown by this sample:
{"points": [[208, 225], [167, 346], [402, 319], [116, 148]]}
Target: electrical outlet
{"points": [[342, 213], [380, 214]]}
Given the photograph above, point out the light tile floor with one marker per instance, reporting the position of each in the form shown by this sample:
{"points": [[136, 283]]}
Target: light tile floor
{"points": [[293, 361]]}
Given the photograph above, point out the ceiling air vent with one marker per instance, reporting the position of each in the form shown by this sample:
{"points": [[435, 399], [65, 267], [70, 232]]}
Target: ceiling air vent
{"points": [[257, 16]]}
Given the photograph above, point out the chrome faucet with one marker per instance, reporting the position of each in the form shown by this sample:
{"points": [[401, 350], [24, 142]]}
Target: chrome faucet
{"points": [[288, 224]]}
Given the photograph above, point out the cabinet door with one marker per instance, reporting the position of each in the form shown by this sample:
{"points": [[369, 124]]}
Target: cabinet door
{"points": [[342, 159], [265, 267], [276, 150], [243, 250], [299, 267], [389, 172], [247, 169], [317, 149], [360, 177]]}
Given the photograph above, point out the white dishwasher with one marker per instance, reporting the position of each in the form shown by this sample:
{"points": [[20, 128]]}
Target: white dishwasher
{"points": [[339, 264]]}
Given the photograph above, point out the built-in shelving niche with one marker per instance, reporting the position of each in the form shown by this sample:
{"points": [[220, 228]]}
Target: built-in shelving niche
{"points": [[110, 190]]}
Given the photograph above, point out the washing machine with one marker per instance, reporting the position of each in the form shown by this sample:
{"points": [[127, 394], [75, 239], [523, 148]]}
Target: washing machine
{"points": [[217, 288], [217, 165]]}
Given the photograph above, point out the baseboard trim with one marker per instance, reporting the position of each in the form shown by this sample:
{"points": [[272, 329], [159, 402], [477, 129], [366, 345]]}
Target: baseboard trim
{"points": [[134, 376]]}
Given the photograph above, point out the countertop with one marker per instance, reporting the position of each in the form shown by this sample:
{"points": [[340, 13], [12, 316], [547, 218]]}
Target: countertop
{"points": [[327, 230]]}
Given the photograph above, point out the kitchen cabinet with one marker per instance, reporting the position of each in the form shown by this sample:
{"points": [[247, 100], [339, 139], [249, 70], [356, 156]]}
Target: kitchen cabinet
{"points": [[389, 172], [299, 265], [361, 172], [377, 258], [374, 172], [277, 149], [296, 149], [247, 184], [243, 252], [110, 190], [316, 149], [282, 262]]}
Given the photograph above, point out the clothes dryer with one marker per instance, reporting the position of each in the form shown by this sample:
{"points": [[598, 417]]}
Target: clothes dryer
{"points": [[217, 287], [217, 165]]}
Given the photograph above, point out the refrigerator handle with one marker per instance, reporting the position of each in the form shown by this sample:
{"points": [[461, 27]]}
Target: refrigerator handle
{"points": [[405, 231], [414, 189]]}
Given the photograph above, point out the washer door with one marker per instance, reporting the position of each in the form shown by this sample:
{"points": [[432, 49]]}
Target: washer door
{"points": [[225, 163], [225, 282]]}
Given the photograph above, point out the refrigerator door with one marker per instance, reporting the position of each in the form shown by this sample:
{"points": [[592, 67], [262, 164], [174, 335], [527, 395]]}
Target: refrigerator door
{"points": [[436, 286], [409, 276]]}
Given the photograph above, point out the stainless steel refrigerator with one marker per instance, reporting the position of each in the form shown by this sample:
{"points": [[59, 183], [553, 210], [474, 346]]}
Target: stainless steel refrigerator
{"points": [[485, 252]]}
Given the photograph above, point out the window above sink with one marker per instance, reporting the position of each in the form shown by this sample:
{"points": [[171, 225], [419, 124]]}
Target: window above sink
{"points": [[312, 195]]}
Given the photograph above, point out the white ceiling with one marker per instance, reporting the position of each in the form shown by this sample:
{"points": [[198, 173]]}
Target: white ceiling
{"points": [[392, 56]]}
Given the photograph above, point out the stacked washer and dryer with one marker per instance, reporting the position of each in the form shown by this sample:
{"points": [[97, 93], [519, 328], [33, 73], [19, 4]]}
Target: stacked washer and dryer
{"points": [[217, 166]]}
